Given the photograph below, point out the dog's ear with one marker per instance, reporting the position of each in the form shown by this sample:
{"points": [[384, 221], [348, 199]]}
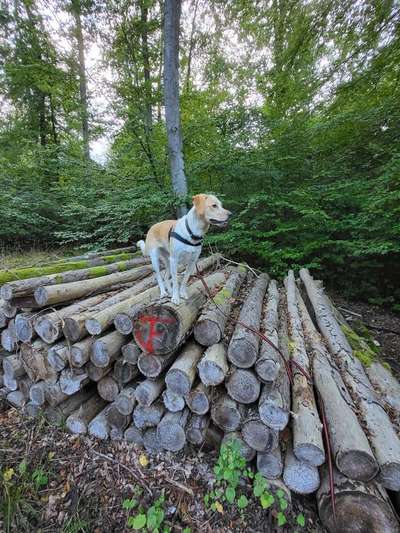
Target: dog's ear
{"points": [[199, 202]]}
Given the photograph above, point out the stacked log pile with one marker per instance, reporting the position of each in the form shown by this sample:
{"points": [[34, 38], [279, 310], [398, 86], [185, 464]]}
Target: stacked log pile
{"points": [[101, 352]]}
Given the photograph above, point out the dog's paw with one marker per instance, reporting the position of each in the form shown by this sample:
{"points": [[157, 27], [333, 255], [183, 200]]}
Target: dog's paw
{"points": [[163, 294], [176, 300], [184, 295]]}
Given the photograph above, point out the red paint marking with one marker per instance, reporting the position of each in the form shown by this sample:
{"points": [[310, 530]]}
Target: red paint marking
{"points": [[153, 333]]}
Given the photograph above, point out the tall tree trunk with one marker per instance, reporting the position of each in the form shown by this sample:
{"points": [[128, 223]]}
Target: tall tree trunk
{"points": [[191, 45], [171, 94], [76, 10], [146, 67]]}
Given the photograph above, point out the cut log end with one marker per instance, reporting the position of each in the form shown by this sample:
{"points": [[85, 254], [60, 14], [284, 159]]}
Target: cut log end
{"points": [[267, 369], [243, 386], [210, 373], [310, 453], [389, 476], [357, 464], [177, 381], [93, 326], [242, 353], [273, 415], [207, 332], [156, 329], [258, 436]]}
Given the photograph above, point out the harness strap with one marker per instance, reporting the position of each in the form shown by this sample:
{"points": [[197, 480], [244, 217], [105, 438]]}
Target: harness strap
{"points": [[192, 235], [174, 235]]}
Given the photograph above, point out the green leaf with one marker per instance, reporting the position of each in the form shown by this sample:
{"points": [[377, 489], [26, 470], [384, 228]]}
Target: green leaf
{"points": [[230, 494], [242, 502], [23, 467], [283, 504], [300, 520], [281, 519], [266, 500], [280, 493], [129, 503], [138, 521]]}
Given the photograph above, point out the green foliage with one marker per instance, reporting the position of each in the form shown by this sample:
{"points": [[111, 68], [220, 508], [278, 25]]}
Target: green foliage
{"points": [[150, 519]]}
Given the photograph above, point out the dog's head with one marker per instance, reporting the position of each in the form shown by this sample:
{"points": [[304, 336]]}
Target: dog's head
{"points": [[210, 209]]}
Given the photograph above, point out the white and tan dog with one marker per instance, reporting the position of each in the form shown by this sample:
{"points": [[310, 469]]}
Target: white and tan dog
{"points": [[179, 242]]}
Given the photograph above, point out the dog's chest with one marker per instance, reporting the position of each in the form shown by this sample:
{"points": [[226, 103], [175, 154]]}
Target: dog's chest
{"points": [[187, 256]]}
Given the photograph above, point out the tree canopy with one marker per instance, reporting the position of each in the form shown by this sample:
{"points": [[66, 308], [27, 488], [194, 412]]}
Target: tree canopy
{"points": [[290, 113]]}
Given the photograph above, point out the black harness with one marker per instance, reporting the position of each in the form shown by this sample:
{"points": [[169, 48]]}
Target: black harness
{"points": [[174, 235]]}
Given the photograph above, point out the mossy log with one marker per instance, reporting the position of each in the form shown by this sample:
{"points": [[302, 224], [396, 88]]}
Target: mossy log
{"points": [[106, 349], [213, 366], [243, 386], [268, 363], [145, 416], [26, 287], [363, 507], [35, 362], [78, 421], [350, 447], [210, 326], [46, 295], [256, 434], [246, 451], [181, 375], [382, 436], [307, 426], [244, 344], [198, 399], [227, 414], [163, 327], [171, 430], [17, 274]]}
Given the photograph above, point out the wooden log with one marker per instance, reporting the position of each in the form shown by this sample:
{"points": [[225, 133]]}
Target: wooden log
{"points": [[384, 441], [79, 420], [197, 428], [134, 435], [60, 412], [24, 385], [243, 386], [8, 308], [270, 464], [35, 362], [58, 356], [9, 339], [246, 451], [24, 327], [80, 352], [350, 448], [116, 434], [210, 326], [198, 399], [171, 430], [24, 302], [10, 383], [226, 413], [125, 402], [299, 476], [153, 365], [173, 402], [13, 367], [130, 353], [151, 441], [99, 427], [274, 403], [1, 378], [268, 364], [244, 345], [49, 326], [106, 349], [37, 393], [256, 434], [385, 383], [359, 506], [181, 375], [307, 435], [63, 292], [26, 287], [162, 327], [3, 393], [213, 366], [31, 410], [145, 416], [54, 395], [124, 372], [96, 373], [148, 391], [58, 267], [3, 319], [116, 419], [73, 380], [16, 399], [108, 388]]}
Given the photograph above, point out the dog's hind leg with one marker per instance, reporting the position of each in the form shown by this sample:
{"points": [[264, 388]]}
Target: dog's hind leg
{"points": [[167, 275], [155, 261]]}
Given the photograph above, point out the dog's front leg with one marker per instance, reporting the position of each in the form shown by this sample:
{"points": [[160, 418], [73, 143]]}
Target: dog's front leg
{"points": [[173, 262], [189, 271]]}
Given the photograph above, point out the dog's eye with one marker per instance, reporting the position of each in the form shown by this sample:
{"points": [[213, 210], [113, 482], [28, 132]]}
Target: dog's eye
{"points": [[214, 205]]}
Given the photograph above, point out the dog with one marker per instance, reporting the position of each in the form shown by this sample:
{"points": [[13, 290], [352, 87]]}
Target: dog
{"points": [[178, 242]]}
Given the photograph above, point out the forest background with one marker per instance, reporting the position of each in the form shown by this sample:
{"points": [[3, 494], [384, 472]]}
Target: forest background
{"points": [[290, 113]]}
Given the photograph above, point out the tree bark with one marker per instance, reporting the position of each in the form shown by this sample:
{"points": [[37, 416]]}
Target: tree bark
{"points": [[80, 352], [172, 13], [197, 428], [26, 287], [243, 386], [256, 434], [58, 356], [99, 427], [149, 390], [96, 373], [34, 359], [268, 363], [198, 399], [383, 439], [213, 366], [161, 328], [17, 399], [54, 395], [210, 326], [106, 349], [307, 436], [350, 448], [385, 383], [80, 419], [359, 506], [57, 414], [124, 372], [64, 292], [180, 377], [244, 345], [171, 430]]}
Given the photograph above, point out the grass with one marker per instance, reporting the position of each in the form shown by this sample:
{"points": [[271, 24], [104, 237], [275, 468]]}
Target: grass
{"points": [[32, 257]]}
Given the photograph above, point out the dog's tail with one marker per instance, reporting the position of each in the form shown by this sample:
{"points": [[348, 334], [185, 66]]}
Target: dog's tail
{"points": [[142, 246]]}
